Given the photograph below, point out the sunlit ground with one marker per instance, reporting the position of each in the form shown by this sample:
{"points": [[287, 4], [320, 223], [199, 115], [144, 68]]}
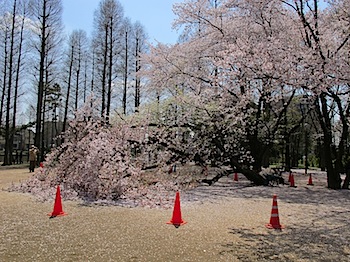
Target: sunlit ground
{"points": [[225, 223]]}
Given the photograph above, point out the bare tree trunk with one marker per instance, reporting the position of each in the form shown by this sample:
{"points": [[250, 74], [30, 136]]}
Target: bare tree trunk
{"points": [[92, 75], [104, 72], [8, 134], [85, 79], [19, 61], [47, 16], [40, 95], [68, 92], [4, 78], [77, 80], [125, 72], [110, 71], [137, 79]]}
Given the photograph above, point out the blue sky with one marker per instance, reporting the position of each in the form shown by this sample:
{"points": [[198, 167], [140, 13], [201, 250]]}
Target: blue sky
{"points": [[155, 15]]}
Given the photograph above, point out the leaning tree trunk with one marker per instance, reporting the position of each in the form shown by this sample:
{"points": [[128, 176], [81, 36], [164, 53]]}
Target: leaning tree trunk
{"points": [[253, 176]]}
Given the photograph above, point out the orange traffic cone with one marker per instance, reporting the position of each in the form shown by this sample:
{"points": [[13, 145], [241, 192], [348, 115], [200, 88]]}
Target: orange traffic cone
{"points": [[274, 220], [292, 184], [57, 209], [310, 181], [177, 219], [235, 177]]}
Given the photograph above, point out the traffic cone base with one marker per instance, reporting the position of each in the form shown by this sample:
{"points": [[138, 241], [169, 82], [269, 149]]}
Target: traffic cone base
{"points": [[57, 209], [270, 226], [176, 224], [274, 220], [57, 215], [176, 220]]}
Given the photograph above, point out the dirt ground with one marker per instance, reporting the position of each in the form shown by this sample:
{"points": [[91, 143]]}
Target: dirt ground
{"points": [[225, 222]]}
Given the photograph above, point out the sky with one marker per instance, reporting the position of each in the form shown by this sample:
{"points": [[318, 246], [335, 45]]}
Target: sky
{"points": [[155, 15]]}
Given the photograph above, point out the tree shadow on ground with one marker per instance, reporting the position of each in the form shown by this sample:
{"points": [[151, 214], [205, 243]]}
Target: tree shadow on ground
{"points": [[301, 194], [310, 243], [318, 229]]}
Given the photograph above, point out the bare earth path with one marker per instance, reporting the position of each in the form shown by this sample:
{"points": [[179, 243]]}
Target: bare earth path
{"points": [[226, 222]]}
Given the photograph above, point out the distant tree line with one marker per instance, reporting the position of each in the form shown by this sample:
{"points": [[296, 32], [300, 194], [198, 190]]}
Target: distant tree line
{"points": [[46, 76]]}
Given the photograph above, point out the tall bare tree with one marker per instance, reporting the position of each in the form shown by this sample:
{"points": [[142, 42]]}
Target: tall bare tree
{"points": [[140, 47], [47, 15], [127, 33], [5, 32], [19, 64], [8, 153], [69, 84], [107, 22], [12, 68], [77, 57]]}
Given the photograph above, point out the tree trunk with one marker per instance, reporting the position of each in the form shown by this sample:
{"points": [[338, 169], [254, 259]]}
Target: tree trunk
{"points": [[8, 159], [321, 156], [347, 177], [40, 95], [18, 70], [125, 73], [110, 72], [253, 176], [68, 92], [287, 153], [137, 79], [77, 81], [4, 78], [92, 84], [104, 72], [333, 176]]}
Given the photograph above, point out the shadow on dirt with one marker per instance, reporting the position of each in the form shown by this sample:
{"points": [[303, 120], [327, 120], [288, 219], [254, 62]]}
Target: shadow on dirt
{"points": [[308, 243], [317, 194]]}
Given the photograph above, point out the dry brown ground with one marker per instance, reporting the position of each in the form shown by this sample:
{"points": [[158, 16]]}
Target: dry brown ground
{"points": [[226, 222]]}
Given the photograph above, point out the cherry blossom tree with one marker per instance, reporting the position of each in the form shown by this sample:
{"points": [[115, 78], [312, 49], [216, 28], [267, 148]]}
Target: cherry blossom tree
{"points": [[107, 163], [241, 63], [325, 37], [238, 83], [222, 97]]}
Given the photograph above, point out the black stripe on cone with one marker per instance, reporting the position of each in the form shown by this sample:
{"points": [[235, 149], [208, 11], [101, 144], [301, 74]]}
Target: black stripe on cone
{"points": [[176, 220], [274, 220], [57, 208]]}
